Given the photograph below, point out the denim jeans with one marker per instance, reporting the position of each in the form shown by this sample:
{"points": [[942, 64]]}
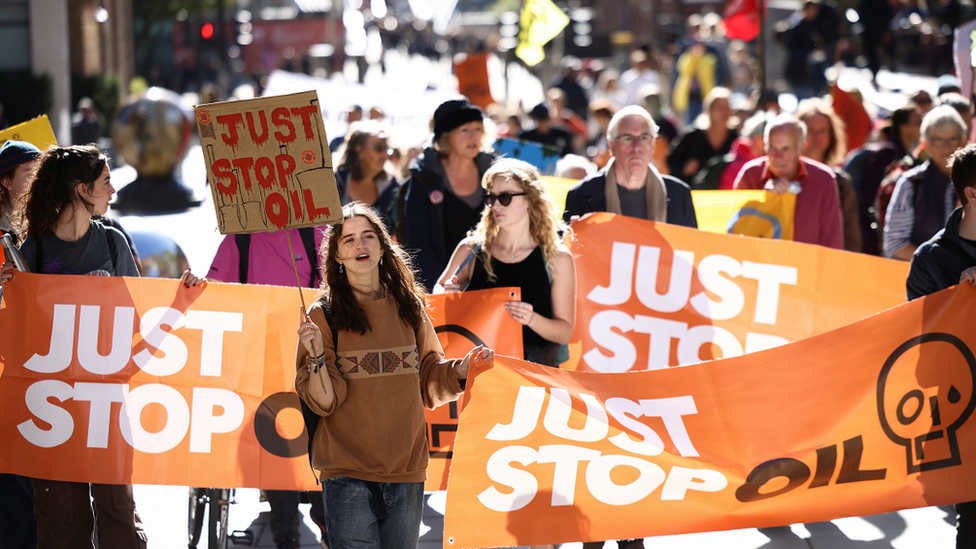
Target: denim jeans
{"points": [[372, 515]]}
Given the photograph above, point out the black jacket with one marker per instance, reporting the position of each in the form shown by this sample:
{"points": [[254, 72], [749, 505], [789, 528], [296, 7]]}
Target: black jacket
{"points": [[589, 196], [420, 228], [939, 262]]}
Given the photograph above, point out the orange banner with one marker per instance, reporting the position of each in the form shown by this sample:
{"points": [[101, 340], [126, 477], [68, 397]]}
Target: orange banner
{"points": [[653, 295], [870, 418], [128, 380]]}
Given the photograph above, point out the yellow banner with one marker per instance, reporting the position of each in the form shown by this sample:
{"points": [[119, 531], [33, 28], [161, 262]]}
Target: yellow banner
{"points": [[37, 132], [540, 22], [751, 213]]}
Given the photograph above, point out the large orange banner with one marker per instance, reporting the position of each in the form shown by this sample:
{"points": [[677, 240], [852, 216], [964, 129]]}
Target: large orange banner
{"points": [[652, 295], [128, 380], [870, 418]]}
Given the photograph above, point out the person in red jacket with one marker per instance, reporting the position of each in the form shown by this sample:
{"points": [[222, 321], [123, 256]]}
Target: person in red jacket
{"points": [[817, 218]]}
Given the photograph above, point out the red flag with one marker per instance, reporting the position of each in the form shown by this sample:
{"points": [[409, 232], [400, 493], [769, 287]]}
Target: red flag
{"points": [[741, 19]]}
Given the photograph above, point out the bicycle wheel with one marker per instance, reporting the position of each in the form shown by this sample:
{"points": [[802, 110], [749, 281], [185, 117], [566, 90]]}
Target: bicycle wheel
{"points": [[197, 506], [219, 503]]}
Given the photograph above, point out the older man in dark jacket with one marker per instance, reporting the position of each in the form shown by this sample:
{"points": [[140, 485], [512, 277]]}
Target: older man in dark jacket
{"points": [[629, 185]]}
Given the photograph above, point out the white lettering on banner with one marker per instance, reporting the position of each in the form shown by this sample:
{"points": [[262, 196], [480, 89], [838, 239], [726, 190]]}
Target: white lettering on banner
{"points": [[522, 486], [201, 423], [173, 351], [671, 410], [214, 411], [721, 299]]}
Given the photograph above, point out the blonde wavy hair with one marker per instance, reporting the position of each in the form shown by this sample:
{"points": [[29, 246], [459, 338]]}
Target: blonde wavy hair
{"points": [[545, 222]]}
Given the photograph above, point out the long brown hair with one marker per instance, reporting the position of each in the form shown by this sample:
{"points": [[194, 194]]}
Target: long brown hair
{"points": [[52, 188], [396, 276], [545, 222], [358, 137]]}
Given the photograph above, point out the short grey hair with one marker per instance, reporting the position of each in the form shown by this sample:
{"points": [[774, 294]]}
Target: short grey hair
{"points": [[943, 115], [782, 122], [631, 110]]}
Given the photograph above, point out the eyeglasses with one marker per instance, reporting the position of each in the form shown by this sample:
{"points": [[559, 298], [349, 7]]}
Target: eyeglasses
{"points": [[630, 140], [942, 142], [504, 199]]}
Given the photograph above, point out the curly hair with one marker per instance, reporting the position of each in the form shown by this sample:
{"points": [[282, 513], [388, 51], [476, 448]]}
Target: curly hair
{"points": [[834, 155], [545, 222], [359, 135], [396, 276], [52, 187]]}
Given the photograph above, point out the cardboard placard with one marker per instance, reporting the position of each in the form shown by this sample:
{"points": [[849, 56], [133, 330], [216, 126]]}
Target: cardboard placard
{"points": [[268, 163]]}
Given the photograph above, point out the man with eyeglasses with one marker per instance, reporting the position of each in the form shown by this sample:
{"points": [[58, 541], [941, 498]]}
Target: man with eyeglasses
{"points": [[817, 216], [629, 185], [923, 198]]}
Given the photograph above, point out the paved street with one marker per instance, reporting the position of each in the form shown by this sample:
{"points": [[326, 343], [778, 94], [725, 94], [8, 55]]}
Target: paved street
{"points": [[164, 511]]}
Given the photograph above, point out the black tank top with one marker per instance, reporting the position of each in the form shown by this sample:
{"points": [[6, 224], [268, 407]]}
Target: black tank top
{"points": [[531, 276]]}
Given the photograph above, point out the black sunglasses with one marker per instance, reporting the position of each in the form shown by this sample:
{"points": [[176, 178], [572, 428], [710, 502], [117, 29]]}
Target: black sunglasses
{"points": [[504, 199]]}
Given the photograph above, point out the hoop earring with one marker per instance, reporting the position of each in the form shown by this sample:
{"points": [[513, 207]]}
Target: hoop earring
{"points": [[341, 270]]}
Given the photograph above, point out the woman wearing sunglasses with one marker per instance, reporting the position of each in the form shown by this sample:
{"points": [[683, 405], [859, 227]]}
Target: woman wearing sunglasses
{"points": [[362, 173], [518, 243]]}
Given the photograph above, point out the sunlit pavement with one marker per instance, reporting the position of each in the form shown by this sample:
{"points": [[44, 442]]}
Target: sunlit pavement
{"points": [[164, 512]]}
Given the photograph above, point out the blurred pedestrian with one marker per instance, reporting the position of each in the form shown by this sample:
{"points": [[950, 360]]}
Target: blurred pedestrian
{"points": [[924, 196], [712, 137], [362, 170]]}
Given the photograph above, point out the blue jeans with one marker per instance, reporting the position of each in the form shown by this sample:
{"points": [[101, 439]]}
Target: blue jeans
{"points": [[372, 515]]}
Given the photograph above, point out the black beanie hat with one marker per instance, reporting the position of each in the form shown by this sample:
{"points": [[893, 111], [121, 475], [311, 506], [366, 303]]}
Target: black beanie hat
{"points": [[454, 113]]}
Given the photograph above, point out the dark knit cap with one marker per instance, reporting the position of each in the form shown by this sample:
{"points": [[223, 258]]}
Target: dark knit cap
{"points": [[14, 153], [454, 113], [539, 112]]}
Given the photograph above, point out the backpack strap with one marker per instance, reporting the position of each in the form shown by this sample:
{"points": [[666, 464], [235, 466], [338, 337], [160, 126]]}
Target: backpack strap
{"points": [[243, 241], [112, 250], [311, 418], [308, 239], [475, 251]]}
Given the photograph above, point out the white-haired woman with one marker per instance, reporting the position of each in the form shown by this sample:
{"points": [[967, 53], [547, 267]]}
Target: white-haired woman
{"points": [[924, 196]]}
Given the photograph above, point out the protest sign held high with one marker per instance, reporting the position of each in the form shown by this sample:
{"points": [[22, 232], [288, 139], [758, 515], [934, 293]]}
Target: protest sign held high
{"points": [[870, 418], [268, 163]]}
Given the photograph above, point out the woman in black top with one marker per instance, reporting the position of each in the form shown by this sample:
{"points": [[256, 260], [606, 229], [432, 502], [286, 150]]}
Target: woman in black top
{"points": [[694, 149], [517, 243]]}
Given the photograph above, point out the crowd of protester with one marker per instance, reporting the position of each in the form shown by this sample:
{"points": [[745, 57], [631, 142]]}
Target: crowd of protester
{"points": [[457, 216]]}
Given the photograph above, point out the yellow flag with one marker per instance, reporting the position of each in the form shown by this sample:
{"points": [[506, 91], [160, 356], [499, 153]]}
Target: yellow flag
{"points": [[540, 22], [38, 132], [751, 213]]}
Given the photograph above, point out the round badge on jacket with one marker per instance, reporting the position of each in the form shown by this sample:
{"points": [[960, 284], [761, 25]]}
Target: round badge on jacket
{"points": [[436, 197]]}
